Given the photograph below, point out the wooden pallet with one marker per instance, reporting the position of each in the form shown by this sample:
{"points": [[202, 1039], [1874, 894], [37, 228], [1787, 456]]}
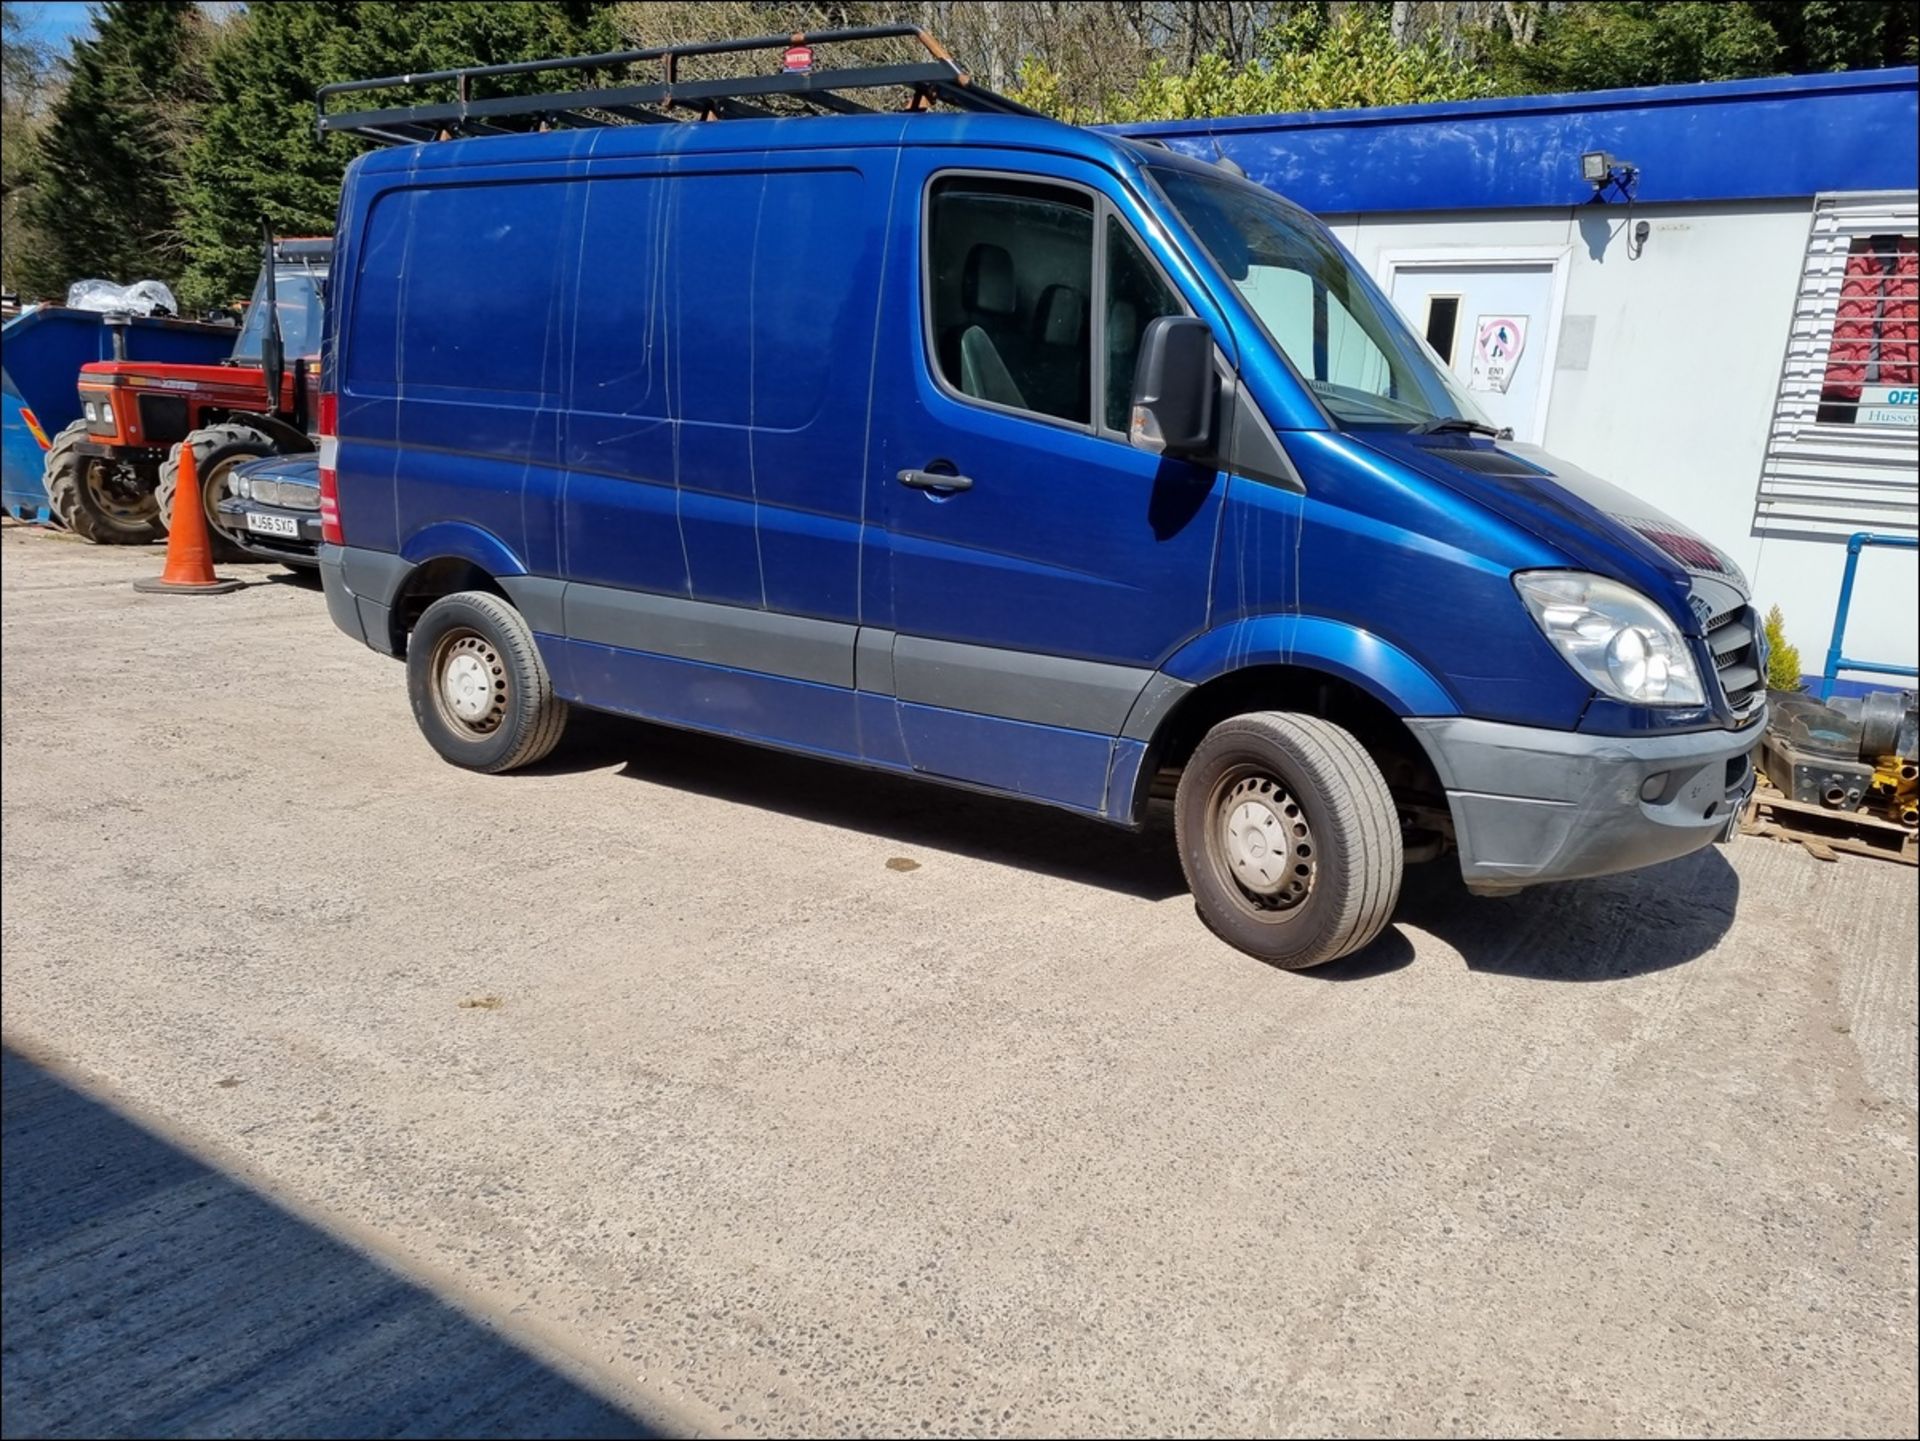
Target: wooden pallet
{"points": [[1826, 834]]}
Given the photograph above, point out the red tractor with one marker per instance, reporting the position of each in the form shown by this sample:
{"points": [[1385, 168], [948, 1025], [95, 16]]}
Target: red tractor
{"points": [[110, 476]]}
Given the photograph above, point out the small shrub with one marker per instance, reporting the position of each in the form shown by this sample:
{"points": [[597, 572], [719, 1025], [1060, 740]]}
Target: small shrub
{"points": [[1783, 657]]}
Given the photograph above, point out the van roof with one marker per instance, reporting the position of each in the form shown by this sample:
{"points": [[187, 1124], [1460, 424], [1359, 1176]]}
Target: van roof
{"points": [[880, 131]]}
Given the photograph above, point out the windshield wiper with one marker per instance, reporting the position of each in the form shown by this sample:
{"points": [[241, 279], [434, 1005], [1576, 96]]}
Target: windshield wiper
{"points": [[1461, 423]]}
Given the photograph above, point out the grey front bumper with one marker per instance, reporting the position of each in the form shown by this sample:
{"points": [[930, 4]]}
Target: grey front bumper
{"points": [[1532, 805]]}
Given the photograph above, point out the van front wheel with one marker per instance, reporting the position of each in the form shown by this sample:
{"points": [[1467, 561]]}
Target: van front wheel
{"points": [[480, 692], [1289, 838]]}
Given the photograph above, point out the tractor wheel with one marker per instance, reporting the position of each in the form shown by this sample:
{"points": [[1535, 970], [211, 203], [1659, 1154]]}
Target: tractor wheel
{"points": [[109, 502], [217, 449]]}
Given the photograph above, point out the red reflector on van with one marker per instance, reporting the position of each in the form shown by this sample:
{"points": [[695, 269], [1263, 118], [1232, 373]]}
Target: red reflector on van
{"points": [[330, 531]]}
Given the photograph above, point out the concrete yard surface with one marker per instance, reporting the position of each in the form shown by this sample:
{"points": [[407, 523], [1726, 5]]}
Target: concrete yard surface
{"points": [[677, 1086]]}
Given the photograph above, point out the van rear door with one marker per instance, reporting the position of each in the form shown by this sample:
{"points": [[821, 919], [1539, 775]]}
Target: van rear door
{"points": [[1040, 566]]}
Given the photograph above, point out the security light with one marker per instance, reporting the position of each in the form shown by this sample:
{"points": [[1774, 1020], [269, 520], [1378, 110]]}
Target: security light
{"points": [[1603, 170]]}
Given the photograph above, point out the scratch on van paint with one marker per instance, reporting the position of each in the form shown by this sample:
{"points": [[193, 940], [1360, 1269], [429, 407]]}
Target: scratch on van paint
{"points": [[1299, 509], [873, 373], [401, 311], [753, 391], [866, 445], [670, 359], [563, 440]]}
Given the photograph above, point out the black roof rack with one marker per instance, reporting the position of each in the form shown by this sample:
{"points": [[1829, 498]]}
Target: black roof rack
{"points": [[936, 79]]}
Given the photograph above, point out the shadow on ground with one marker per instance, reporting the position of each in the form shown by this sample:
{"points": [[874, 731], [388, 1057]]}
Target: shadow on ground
{"points": [[1597, 930], [146, 1294], [899, 809]]}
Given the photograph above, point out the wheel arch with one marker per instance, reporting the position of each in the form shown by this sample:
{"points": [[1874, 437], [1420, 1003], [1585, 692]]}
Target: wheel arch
{"points": [[451, 556], [1310, 685], [428, 581]]}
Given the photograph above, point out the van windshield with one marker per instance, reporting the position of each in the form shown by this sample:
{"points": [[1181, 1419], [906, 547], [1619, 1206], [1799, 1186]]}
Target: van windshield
{"points": [[1363, 363]]}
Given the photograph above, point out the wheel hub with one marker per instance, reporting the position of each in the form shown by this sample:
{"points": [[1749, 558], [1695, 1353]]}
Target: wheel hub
{"points": [[473, 685], [116, 492], [1267, 843]]}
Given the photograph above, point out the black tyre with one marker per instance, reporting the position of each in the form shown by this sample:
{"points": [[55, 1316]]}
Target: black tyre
{"points": [[480, 691], [1289, 838], [217, 449], [109, 502]]}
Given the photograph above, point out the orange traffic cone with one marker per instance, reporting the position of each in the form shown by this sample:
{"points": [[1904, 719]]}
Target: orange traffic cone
{"points": [[189, 568]]}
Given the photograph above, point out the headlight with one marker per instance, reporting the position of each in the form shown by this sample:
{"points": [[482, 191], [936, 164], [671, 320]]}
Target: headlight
{"points": [[1617, 639], [90, 412], [239, 487]]}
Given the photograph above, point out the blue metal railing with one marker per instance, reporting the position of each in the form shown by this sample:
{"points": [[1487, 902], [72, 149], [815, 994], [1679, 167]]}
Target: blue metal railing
{"points": [[1836, 661]]}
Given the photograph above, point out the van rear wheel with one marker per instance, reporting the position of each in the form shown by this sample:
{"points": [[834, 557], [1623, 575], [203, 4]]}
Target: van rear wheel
{"points": [[1289, 838], [480, 692]]}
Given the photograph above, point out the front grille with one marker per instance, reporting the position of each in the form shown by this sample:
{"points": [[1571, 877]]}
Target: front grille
{"points": [[163, 419], [1736, 659], [287, 494]]}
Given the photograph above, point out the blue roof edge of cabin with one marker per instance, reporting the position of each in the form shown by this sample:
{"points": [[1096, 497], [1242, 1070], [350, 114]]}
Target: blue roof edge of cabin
{"points": [[1771, 138]]}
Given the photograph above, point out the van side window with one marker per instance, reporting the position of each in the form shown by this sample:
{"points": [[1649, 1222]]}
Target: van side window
{"points": [[1011, 287], [1135, 295]]}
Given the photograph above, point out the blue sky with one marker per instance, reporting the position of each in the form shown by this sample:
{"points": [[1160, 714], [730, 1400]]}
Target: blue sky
{"points": [[60, 22], [55, 24]]}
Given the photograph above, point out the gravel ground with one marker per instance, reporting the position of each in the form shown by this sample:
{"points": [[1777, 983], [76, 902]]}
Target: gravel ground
{"points": [[741, 1093]]}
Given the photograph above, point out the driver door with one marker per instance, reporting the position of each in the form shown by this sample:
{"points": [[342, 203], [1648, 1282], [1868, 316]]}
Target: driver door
{"points": [[1040, 567]]}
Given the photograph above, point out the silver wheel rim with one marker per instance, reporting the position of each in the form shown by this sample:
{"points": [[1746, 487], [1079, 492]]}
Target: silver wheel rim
{"points": [[1265, 844], [470, 683], [115, 496], [216, 486]]}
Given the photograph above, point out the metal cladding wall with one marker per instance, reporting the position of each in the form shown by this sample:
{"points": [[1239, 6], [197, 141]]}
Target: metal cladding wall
{"points": [[1664, 360], [1736, 140]]}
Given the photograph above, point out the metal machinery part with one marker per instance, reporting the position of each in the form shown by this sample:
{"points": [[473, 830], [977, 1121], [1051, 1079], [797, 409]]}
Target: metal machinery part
{"points": [[1853, 753]]}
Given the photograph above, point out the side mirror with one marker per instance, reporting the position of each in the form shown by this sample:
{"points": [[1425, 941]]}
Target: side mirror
{"points": [[1174, 388]]}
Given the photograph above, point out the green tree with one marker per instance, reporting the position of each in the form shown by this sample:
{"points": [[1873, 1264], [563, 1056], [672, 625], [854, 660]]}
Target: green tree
{"points": [[258, 154], [104, 194], [29, 80], [1843, 34], [1316, 59], [1602, 44], [1783, 657]]}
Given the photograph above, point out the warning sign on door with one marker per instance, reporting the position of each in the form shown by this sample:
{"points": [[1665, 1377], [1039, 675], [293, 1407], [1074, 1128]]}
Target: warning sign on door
{"points": [[1498, 341]]}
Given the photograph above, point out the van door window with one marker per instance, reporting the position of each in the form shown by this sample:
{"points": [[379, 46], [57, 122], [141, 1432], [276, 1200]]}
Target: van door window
{"points": [[1010, 287], [1135, 295]]}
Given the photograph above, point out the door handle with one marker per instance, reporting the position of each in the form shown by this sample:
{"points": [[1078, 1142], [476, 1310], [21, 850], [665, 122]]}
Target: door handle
{"points": [[933, 480]]}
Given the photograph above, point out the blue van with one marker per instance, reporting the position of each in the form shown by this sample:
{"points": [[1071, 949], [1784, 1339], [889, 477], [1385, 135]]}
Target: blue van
{"points": [[1008, 454]]}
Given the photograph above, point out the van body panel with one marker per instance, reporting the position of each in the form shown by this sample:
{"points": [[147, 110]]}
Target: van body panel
{"points": [[1069, 542], [1046, 763], [461, 540], [1048, 591], [1313, 642], [721, 367], [701, 695], [684, 394], [737, 637], [1366, 549], [1018, 685]]}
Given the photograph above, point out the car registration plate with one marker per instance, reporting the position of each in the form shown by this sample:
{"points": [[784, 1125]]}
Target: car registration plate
{"points": [[273, 525]]}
